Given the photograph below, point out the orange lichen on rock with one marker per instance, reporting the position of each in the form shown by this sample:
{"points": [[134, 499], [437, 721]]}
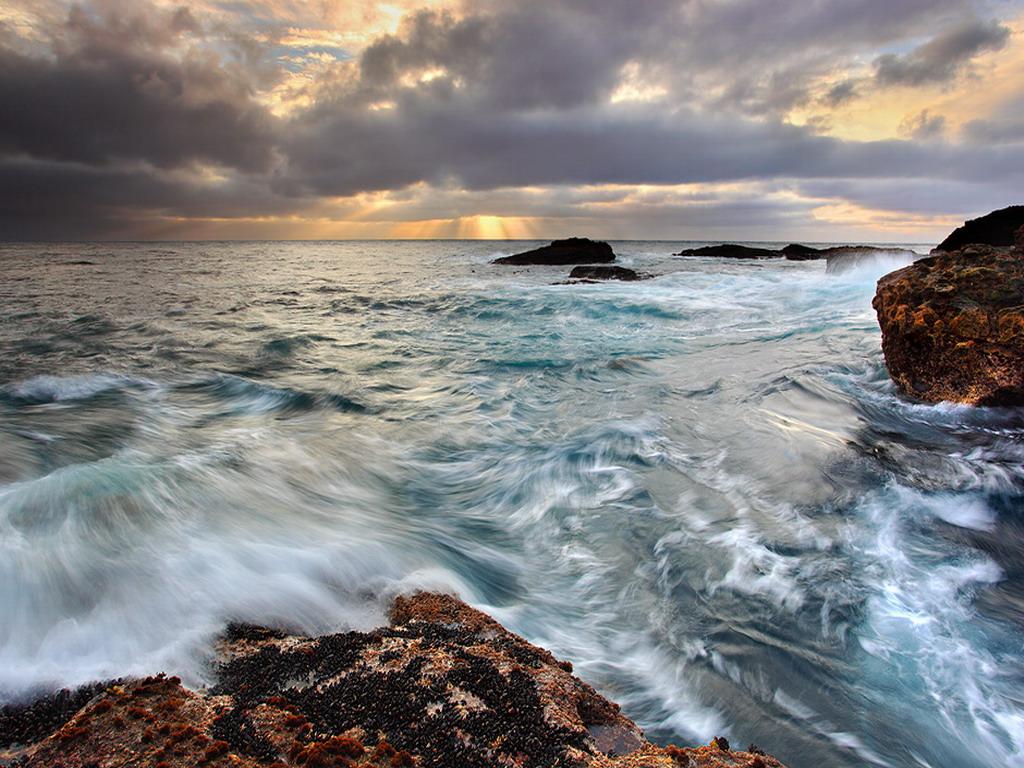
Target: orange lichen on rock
{"points": [[953, 326]]}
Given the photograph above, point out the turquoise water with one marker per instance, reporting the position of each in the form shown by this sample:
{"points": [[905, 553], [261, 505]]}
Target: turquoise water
{"points": [[702, 489]]}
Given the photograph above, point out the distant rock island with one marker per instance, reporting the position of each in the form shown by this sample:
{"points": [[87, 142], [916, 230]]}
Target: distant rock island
{"points": [[442, 686], [839, 258], [731, 251], [953, 323], [574, 250]]}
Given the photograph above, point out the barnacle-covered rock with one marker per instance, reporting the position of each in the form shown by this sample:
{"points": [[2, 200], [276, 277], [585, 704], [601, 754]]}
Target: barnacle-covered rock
{"points": [[443, 685]]}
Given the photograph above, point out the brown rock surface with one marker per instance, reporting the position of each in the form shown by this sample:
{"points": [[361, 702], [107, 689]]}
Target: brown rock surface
{"points": [[443, 685], [953, 326]]}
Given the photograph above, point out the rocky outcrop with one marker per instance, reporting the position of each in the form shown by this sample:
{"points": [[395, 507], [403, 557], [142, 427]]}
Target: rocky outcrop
{"points": [[840, 258], [595, 274], [997, 228], [846, 257], [443, 685], [730, 251], [953, 326], [797, 252], [575, 250]]}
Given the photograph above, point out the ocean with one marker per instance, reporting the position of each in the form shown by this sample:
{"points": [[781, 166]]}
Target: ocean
{"points": [[701, 489]]}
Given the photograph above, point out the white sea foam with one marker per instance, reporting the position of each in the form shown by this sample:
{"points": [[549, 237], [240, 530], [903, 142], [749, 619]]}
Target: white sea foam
{"points": [[47, 388], [701, 489]]}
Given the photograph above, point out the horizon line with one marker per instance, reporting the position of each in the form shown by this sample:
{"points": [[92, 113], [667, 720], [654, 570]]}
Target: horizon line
{"points": [[127, 241]]}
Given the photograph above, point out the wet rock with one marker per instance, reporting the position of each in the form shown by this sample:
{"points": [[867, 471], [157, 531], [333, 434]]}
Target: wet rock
{"points": [[575, 250], [953, 326], [797, 252], [593, 274], [997, 228], [731, 251], [846, 257], [442, 685]]}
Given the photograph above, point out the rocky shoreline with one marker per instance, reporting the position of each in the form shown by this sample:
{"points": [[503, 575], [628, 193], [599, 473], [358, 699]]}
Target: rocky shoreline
{"points": [[442, 685], [953, 323]]}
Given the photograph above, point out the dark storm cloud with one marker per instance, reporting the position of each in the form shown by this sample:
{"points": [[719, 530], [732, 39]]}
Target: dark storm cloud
{"points": [[438, 140], [109, 89], [944, 57], [47, 199], [122, 111], [521, 99]]}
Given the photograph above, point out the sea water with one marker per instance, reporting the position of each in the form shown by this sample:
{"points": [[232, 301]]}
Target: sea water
{"points": [[702, 489]]}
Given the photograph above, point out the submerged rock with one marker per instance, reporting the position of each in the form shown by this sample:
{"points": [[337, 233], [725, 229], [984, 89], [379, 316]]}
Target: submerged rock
{"points": [[996, 228], [846, 257], [731, 251], [953, 326], [593, 274], [443, 685], [575, 250]]}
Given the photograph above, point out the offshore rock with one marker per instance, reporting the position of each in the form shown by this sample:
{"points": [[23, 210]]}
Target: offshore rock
{"points": [[575, 250], [731, 251], [443, 685], [593, 274], [797, 252], [846, 257], [997, 228], [953, 326]]}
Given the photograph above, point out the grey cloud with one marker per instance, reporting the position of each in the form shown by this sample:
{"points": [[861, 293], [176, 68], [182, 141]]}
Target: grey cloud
{"points": [[995, 131], [1005, 126], [334, 151], [841, 93], [749, 44], [53, 200], [926, 197], [923, 126], [116, 112], [109, 90], [944, 57]]}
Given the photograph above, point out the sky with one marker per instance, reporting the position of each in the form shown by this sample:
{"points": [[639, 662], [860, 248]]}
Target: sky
{"points": [[813, 120]]}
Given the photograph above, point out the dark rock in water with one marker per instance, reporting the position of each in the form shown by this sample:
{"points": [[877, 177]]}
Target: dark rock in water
{"points": [[846, 257], [997, 228], [606, 273], [443, 685], [575, 250], [731, 251], [797, 252], [953, 326]]}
